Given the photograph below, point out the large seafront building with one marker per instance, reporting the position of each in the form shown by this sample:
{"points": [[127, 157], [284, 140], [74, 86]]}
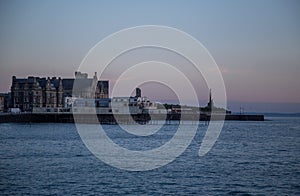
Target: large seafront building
{"points": [[34, 93]]}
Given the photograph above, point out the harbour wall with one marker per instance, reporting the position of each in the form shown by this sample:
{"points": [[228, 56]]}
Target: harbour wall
{"points": [[113, 119]]}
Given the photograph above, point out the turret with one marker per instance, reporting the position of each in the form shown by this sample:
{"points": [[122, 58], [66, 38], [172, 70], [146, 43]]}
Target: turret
{"points": [[95, 76], [138, 92]]}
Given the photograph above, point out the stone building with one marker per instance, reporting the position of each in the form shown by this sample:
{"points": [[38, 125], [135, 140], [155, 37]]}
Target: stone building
{"points": [[36, 92], [3, 102]]}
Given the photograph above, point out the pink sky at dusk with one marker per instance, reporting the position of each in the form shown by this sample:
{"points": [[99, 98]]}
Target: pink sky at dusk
{"points": [[256, 44]]}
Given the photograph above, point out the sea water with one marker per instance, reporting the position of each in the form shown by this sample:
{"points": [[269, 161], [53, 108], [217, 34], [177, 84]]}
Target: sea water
{"points": [[255, 158]]}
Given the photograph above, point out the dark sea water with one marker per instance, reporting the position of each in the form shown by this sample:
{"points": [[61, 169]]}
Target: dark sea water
{"points": [[249, 158]]}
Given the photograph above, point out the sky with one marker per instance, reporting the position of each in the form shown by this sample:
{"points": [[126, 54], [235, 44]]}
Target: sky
{"points": [[256, 44]]}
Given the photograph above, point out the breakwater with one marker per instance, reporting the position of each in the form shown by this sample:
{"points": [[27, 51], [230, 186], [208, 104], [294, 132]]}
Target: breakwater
{"points": [[113, 119]]}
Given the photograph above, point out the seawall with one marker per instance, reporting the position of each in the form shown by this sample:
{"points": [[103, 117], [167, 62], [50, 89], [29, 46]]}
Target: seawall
{"points": [[111, 119]]}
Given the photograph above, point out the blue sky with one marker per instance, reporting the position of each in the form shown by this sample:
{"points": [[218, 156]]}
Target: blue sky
{"points": [[255, 43]]}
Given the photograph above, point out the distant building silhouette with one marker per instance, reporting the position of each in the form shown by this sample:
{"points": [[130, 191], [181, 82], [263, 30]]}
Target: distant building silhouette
{"points": [[138, 92], [4, 102], [210, 104], [36, 92]]}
